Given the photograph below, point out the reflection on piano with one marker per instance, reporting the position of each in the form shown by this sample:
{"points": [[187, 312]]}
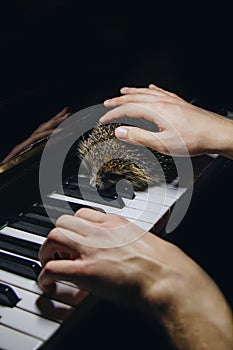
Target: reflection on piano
{"points": [[28, 319]]}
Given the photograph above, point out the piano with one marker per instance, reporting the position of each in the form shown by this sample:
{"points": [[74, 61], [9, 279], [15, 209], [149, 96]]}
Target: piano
{"points": [[29, 319]]}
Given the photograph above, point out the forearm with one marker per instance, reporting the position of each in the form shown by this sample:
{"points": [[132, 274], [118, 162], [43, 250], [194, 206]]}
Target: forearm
{"points": [[198, 319], [196, 330]]}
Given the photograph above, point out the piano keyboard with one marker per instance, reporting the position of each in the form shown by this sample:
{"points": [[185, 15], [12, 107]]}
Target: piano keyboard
{"points": [[28, 318]]}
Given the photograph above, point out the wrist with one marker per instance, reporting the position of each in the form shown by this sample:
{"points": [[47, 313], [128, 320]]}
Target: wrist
{"points": [[187, 308], [223, 138]]}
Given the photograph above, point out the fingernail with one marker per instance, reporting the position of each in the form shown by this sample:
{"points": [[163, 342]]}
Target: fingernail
{"points": [[125, 88], [57, 130], [121, 132], [106, 101]]}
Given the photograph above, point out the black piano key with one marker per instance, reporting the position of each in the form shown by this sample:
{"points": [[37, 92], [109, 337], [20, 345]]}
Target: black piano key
{"points": [[54, 212], [8, 296], [19, 246], [19, 266], [39, 209], [37, 219], [29, 227], [123, 188], [92, 196], [168, 166], [58, 207]]}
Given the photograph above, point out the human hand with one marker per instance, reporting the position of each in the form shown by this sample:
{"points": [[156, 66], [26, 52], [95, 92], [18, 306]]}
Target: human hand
{"points": [[182, 126], [149, 274], [108, 273], [43, 130]]}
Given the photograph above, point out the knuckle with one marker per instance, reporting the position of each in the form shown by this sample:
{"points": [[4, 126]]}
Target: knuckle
{"points": [[81, 211], [49, 268], [124, 220], [52, 236], [162, 105], [173, 94], [61, 219], [89, 267]]}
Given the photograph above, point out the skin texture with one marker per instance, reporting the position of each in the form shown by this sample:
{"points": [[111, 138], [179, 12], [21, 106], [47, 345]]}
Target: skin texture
{"points": [[149, 274], [179, 123], [141, 275]]}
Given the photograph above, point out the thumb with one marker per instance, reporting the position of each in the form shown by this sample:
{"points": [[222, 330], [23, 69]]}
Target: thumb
{"points": [[140, 137]]}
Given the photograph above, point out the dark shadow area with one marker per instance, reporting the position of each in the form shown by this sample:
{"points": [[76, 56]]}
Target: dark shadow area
{"points": [[59, 53], [67, 53]]}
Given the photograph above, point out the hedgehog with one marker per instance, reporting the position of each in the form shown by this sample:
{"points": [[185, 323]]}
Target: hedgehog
{"points": [[107, 160]]}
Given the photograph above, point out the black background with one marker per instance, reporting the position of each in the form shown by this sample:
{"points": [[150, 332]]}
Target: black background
{"points": [[68, 53], [57, 53]]}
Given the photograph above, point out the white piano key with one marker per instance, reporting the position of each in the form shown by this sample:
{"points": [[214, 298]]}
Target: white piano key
{"points": [[28, 323], [213, 155], [157, 198], [107, 209], [164, 195], [143, 215], [173, 189], [167, 190], [146, 226], [146, 205], [42, 306], [19, 281], [14, 340], [13, 232], [127, 212], [64, 293]]}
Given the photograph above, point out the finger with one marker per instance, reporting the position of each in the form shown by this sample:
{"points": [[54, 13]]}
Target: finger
{"points": [[97, 217], [52, 123], [140, 137], [151, 90], [90, 215], [56, 242], [62, 116], [136, 91], [25, 144], [61, 113], [147, 91], [162, 91], [40, 134], [72, 223], [156, 88], [135, 97], [59, 270], [133, 110]]}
